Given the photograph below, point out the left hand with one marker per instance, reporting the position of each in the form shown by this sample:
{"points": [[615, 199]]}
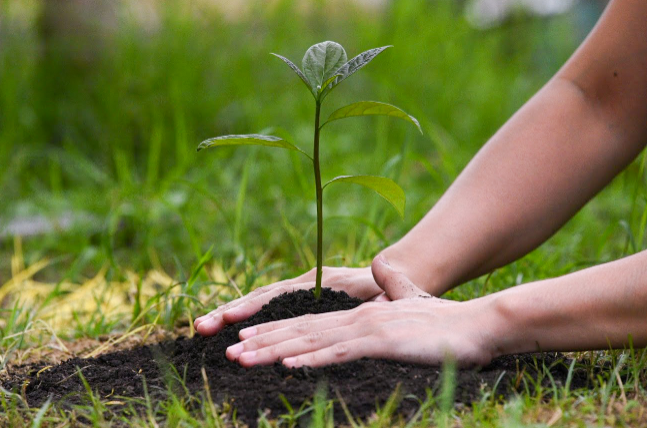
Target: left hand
{"points": [[419, 330]]}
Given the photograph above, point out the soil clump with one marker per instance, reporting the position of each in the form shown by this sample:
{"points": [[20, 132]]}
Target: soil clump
{"points": [[362, 384]]}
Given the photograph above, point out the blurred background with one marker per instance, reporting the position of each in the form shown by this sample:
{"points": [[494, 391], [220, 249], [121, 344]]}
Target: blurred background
{"points": [[103, 103]]}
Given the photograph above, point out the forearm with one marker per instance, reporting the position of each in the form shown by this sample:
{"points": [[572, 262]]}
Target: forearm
{"points": [[543, 165], [596, 308], [540, 168]]}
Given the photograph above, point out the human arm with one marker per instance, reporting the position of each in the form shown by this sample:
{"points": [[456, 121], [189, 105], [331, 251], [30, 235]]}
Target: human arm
{"points": [[544, 164], [595, 308]]}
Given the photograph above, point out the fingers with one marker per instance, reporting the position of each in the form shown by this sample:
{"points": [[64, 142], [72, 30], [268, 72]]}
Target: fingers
{"points": [[267, 350], [242, 308], [340, 352], [312, 340], [395, 284], [250, 306], [301, 324]]}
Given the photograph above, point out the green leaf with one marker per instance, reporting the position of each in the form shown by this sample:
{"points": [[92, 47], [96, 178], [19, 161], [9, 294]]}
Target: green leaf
{"points": [[328, 82], [321, 62], [296, 70], [327, 86], [385, 187], [249, 140], [371, 108], [358, 62]]}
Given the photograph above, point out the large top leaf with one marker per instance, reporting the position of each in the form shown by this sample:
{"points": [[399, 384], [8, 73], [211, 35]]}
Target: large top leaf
{"points": [[297, 71], [385, 187], [321, 62], [249, 140], [371, 108], [356, 63]]}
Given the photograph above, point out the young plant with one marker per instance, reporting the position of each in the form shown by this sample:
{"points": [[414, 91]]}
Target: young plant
{"points": [[325, 65]]}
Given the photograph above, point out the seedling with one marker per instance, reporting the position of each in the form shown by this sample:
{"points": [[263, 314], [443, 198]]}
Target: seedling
{"points": [[325, 65]]}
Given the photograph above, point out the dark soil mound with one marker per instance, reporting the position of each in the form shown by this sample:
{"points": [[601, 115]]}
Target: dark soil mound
{"points": [[362, 384]]}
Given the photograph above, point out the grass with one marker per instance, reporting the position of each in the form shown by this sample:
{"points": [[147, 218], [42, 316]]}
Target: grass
{"points": [[107, 132]]}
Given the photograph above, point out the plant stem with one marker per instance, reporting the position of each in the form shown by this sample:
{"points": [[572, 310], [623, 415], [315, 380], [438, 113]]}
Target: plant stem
{"points": [[319, 204]]}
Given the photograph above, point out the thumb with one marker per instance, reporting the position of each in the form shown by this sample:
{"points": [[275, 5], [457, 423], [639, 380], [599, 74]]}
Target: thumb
{"points": [[395, 284]]}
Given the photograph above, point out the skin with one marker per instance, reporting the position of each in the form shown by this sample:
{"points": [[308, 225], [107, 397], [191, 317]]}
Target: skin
{"points": [[560, 149]]}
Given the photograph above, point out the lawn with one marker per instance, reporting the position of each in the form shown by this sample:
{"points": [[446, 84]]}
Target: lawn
{"points": [[99, 126]]}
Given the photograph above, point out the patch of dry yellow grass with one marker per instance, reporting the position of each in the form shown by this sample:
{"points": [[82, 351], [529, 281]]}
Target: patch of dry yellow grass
{"points": [[49, 316]]}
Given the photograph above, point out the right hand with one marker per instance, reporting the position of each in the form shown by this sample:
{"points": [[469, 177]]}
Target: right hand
{"points": [[416, 328], [357, 282]]}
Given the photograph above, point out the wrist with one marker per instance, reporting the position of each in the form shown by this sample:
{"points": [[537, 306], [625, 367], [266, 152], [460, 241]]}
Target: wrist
{"points": [[511, 322], [426, 272]]}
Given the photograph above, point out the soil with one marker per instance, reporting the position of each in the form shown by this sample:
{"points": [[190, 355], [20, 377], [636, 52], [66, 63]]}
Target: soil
{"points": [[363, 384]]}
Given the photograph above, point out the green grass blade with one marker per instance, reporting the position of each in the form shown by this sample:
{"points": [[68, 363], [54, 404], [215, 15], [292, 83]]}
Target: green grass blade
{"points": [[38, 420], [240, 204], [206, 258], [385, 187], [447, 392]]}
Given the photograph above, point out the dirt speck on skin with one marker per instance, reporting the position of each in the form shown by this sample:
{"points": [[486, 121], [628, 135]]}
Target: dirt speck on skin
{"points": [[362, 384]]}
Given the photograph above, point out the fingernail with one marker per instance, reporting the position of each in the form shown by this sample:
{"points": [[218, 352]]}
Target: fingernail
{"points": [[208, 326], [289, 362], [246, 333], [235, 350], [383, 260], [247, 356]]}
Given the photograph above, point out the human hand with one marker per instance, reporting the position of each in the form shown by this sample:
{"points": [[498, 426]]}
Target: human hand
{"points": [[357, 282], [419, 329]]}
